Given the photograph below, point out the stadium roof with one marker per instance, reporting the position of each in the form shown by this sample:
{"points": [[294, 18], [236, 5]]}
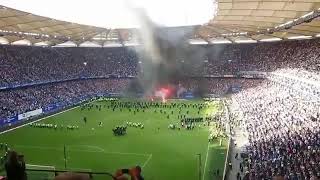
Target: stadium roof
{"points": [[16, 25], [236, 21], [263, 19]]}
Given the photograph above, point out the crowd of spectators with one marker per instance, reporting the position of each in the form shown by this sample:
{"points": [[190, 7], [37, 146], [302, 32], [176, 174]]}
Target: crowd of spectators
{"points": [[219, 86], [24, 64], [297, 58], [20, 100], [283, 126], [281, 115]]}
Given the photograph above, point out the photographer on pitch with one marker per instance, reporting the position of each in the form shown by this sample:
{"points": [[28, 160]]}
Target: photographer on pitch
{"points": [[15, 167]]}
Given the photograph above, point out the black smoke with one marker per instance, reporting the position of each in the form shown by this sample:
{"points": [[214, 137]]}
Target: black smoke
{"points": [[166, 55]]}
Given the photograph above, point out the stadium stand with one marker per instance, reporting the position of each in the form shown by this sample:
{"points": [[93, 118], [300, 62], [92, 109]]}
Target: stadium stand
{"points": [[280, 114], [289, 57], [19, 100], [37, 64], [272, 88], [25, 65], [283, 130]]}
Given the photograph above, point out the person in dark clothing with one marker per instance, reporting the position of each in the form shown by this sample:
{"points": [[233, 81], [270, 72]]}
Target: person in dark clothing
{"points": [[238, 176], [85, 120], [15, 167]]}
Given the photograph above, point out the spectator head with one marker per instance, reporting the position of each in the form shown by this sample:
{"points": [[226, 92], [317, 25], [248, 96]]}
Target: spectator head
{"points": [[13, 157]]}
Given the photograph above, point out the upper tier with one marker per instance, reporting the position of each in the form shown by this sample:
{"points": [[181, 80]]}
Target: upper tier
{"points": [[23, 64]]}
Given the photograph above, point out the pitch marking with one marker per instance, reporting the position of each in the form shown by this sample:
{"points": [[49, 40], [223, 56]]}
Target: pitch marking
{"points": [[101, 150], [42, 118], [86, 146], [145, 163], [205, 163]]}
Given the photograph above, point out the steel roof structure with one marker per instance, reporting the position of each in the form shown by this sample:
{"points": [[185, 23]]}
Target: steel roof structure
{"points": [[263, 19], [235, 21]]}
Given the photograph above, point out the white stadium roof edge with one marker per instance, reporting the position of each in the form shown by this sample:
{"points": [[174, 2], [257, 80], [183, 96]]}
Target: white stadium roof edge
{"points": [[236, 21]]}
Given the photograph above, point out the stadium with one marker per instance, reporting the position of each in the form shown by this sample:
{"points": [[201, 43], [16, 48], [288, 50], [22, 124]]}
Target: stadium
{"points": [[161, 90]]}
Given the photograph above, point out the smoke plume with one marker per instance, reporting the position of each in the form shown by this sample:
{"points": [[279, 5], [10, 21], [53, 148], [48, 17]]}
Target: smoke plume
{"points": [[165, 54]]}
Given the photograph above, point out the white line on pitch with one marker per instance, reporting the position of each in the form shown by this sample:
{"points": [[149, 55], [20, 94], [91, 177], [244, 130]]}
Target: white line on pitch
{"points": [[124, 153], [38, 147], [80, 169], [88, 146], [34, 165], [43, 118], [36, 120], [205, 163], [79, 150], [145, 163]]}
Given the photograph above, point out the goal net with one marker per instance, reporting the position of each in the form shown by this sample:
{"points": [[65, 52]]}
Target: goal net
{"points": [[40, 172]]}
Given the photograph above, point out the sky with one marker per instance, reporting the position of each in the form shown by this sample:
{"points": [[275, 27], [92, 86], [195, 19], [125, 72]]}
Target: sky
{"points": [[119, 13]]}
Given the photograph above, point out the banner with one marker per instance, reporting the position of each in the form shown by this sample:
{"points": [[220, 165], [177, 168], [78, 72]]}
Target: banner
{"points": [[29, 114], [253, 74], [50, 108], [9, 121], [210, 96], [2, 122], [188, 95], [229, 75], [115, 95], [213, 76]]}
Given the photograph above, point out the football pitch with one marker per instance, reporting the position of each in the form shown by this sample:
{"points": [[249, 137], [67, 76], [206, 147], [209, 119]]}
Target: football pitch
{"points": [[162, 152]]}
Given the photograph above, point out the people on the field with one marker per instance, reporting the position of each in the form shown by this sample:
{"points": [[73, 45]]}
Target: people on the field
{"points": [[171, 126], [53, 126], [134, 124], [85, 120], [119, 130]]}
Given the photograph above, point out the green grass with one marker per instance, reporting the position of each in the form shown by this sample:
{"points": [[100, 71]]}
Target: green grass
{"points": [[164, 155]]}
